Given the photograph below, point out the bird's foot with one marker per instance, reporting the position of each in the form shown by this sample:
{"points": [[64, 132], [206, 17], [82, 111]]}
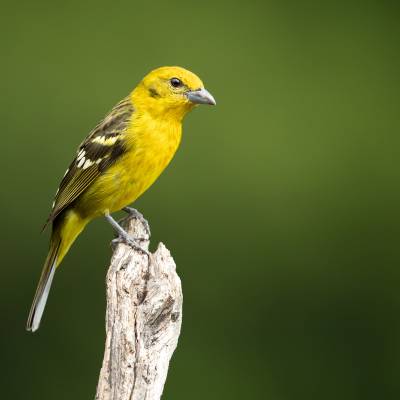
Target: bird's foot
{"points": [[130, 242], [124, 237], [138, 215]]}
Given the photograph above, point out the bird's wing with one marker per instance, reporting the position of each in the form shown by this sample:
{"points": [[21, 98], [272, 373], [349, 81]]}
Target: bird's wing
{"points": [[96, 154]]}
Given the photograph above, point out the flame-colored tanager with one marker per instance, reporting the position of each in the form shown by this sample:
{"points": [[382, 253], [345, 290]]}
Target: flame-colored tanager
{"points": [[123, 155]]}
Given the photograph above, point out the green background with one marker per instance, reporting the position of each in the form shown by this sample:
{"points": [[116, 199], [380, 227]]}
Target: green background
{"points": [[281, 207]]}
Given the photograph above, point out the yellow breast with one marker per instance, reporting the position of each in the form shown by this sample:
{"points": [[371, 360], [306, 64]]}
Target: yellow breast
{"points": [[153, 143]]}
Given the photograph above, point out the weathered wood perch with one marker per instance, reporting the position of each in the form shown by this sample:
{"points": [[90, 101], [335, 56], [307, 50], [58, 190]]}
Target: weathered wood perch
{"points": [[143, 320]]}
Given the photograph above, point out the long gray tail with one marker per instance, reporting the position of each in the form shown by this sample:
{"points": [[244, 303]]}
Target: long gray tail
{"points": [[43, 288]]}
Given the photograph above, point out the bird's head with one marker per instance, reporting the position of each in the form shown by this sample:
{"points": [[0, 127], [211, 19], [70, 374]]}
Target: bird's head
{"points": [[171, 91]]}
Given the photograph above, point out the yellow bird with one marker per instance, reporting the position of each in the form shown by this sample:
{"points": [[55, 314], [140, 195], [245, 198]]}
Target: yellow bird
{"points": [[123, 155]]}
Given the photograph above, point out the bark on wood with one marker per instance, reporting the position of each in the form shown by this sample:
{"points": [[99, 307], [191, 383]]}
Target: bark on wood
{"points": [[143, 320]]}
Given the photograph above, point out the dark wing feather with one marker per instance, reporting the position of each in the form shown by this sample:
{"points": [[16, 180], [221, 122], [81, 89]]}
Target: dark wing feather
{"points": [[100, 150]]}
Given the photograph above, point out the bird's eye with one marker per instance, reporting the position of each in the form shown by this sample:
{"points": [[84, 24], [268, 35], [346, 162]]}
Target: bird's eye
{"points": [[175, 82]]}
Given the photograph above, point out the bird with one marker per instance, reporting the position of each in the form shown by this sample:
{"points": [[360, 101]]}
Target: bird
{"points": [[117, 162]]}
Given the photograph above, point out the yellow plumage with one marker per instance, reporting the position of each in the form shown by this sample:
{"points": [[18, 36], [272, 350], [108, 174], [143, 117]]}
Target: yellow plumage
{"points": [[118, 161]]}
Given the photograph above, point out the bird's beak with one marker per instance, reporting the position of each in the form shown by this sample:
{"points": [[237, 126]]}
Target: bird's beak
{"points": [[201, 96]]}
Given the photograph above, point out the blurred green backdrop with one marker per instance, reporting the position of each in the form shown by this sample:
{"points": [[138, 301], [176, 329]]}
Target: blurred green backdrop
{"points": [[281, 207]]}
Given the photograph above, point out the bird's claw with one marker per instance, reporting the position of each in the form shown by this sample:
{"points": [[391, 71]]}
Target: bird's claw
{"points": [[124, 237], [130, 242], [138, 215]]}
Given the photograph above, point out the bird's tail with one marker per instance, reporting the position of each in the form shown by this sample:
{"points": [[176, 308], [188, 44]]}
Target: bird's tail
{"points": [[65, 230]]}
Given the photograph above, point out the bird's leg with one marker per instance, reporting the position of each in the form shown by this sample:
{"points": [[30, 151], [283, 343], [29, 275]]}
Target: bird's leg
{"points": [[124, 237], [138, 215]]}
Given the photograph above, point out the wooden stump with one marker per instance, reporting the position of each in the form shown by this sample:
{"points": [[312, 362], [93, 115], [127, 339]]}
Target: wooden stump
{"points": [[143, 320]]}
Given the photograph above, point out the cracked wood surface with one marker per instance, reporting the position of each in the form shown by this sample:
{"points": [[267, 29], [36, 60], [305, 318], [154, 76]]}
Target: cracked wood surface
{"points": [[143, 320]]}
